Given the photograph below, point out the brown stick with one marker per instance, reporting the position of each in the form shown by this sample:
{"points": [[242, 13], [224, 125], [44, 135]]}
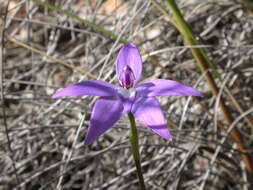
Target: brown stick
{"points": [[201, 61]]}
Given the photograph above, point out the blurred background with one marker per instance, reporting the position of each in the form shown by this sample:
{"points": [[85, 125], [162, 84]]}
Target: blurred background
{"points": [[48, 46]]}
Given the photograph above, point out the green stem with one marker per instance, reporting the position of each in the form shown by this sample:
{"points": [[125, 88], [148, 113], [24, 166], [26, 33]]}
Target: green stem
{"points": [[248, 4], [83, 21], [135, 150], [203, 62], [189, 37]]}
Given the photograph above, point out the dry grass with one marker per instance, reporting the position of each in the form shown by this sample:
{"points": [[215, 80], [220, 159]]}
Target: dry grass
{"points": [[46, 136]]}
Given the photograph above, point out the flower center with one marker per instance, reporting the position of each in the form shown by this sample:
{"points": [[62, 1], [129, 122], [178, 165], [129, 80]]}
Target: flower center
{"points": [[127, 93], [127, 77]]}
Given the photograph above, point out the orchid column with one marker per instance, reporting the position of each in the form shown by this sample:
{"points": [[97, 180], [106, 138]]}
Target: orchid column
{"points": [[138, 101]]}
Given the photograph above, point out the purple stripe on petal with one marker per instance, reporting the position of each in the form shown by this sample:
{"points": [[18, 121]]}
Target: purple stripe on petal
{"points": [[129, 56], [161, 87], [106, 112], [148, 111], [127, 77], [92, 87]]}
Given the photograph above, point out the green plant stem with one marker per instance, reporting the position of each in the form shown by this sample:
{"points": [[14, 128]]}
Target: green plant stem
{"points": [[248, 4], [135, 150], [189, 36], [83, 21], [204, 63]]}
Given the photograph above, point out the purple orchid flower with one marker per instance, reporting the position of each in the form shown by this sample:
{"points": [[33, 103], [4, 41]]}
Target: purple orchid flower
{"points": [[115, 101]]}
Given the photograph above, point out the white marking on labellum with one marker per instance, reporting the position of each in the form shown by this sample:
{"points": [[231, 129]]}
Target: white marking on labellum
{"points": [[127, 93]]}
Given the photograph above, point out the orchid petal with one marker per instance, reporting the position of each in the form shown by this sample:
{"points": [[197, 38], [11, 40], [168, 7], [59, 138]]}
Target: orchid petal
{"points": [[161, 87], [148, 111], [129, 56], [106, 112], [92, 87]]}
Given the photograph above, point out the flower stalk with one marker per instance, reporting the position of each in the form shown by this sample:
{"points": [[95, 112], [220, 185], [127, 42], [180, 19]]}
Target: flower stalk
{"points": [[134, 141]]}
